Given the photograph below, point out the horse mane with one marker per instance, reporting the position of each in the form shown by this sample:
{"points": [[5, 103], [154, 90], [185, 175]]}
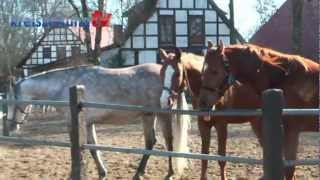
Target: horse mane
{"points": [[192, 60], [284, 62]]}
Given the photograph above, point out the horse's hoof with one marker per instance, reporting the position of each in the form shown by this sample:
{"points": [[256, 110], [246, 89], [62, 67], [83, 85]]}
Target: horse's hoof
{"points": [[137, 177], [102, 175], [168, 177]]}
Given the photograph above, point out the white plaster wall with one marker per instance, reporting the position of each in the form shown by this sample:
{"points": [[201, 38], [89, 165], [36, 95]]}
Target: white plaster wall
{"points": [[211, 28], [154, 17], [201, 4], [162, 4], [187, 3], [182, 29], [182, 41], [210, 15], [139, 30], [166, 12], [152, 42], [223, 29], [127, 44], [174, 3], [195, 12], [151, 29], [138, 42], [147, 56], [128, 56], [107, 54], [181, 15]]}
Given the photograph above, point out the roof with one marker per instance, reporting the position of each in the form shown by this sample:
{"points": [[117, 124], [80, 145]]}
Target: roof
{"points": [[276, 33], [138, 14], [143, 10]]}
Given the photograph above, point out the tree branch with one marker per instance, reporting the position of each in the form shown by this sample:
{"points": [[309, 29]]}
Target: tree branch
{"points": [[75, 8]]}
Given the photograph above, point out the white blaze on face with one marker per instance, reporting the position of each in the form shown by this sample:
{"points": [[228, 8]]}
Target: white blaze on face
{"points": [[167, 83]]}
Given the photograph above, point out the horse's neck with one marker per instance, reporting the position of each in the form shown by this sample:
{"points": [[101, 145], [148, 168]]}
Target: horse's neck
{"points": [[193, 69], [242, 67]]}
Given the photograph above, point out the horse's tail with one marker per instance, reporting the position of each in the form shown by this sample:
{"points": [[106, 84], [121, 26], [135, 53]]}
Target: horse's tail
{"points": [[180, 127]]}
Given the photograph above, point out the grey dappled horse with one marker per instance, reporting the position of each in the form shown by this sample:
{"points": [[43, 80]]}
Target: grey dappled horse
{"points": [[138, 85]]}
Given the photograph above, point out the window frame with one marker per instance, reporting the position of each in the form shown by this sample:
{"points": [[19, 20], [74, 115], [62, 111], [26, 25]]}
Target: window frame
{"points": [[165, 18], [190, 35]]}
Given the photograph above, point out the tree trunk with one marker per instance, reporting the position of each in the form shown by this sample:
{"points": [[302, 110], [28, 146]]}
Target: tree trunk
{"points": [[97, 50], [85, 14], [297, 11], [232, 30]]}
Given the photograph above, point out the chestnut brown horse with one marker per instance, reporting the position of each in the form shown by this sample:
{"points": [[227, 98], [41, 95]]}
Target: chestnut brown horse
{"points": [[183, 70], [263, 68]]}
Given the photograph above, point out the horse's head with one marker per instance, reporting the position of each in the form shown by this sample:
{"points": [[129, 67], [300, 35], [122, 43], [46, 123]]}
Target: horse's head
{"points": [[215, 77], [172, 75]]}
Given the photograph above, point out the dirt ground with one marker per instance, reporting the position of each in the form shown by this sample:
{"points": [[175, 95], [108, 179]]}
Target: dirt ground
{"points": [[52, 163]]}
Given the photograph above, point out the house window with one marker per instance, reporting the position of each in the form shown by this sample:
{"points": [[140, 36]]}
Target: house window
{"points": [[75, 50], [196, 30], [167, 32], [46, 52], [61, 53]]}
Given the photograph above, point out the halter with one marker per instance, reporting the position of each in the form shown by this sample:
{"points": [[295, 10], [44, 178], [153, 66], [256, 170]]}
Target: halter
{"points": [[171, 92], [228, 80]]}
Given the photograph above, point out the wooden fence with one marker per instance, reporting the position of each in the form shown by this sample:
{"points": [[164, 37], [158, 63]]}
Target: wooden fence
{"points": [[271, 112]]}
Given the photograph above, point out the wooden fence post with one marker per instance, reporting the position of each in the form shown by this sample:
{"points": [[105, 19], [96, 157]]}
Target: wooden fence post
{"points": [[4, 108], [272, 134], [78, 134]]}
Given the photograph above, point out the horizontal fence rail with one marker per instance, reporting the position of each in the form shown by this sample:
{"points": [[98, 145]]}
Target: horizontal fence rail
{"points": [[230, 112], [36, 102], [233, 159]]}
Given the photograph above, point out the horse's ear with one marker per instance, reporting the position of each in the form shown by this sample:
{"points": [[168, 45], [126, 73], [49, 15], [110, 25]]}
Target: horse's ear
{"points": [[163, 54], [220, 46], [177, 52], [210, 44]]}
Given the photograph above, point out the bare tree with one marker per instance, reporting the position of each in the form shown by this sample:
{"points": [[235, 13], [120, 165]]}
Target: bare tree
{"points": [[265, 9], [18, 43]]}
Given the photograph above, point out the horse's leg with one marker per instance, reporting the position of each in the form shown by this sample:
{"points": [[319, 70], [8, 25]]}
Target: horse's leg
{"points": [[256, 126], [92, 139], [291, 141], [150, 141], [204, 128], [221, 129], [166, 128]]}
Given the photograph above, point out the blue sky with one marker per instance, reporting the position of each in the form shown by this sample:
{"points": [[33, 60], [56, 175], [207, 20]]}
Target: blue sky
{"points": [[246, 17]]}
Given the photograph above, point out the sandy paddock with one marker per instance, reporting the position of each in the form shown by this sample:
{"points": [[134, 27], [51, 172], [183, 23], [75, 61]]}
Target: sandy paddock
{"points": [[52, 163]]}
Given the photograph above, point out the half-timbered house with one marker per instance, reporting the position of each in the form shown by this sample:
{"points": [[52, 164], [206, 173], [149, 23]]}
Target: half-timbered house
{"points": [[187, 24]]}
